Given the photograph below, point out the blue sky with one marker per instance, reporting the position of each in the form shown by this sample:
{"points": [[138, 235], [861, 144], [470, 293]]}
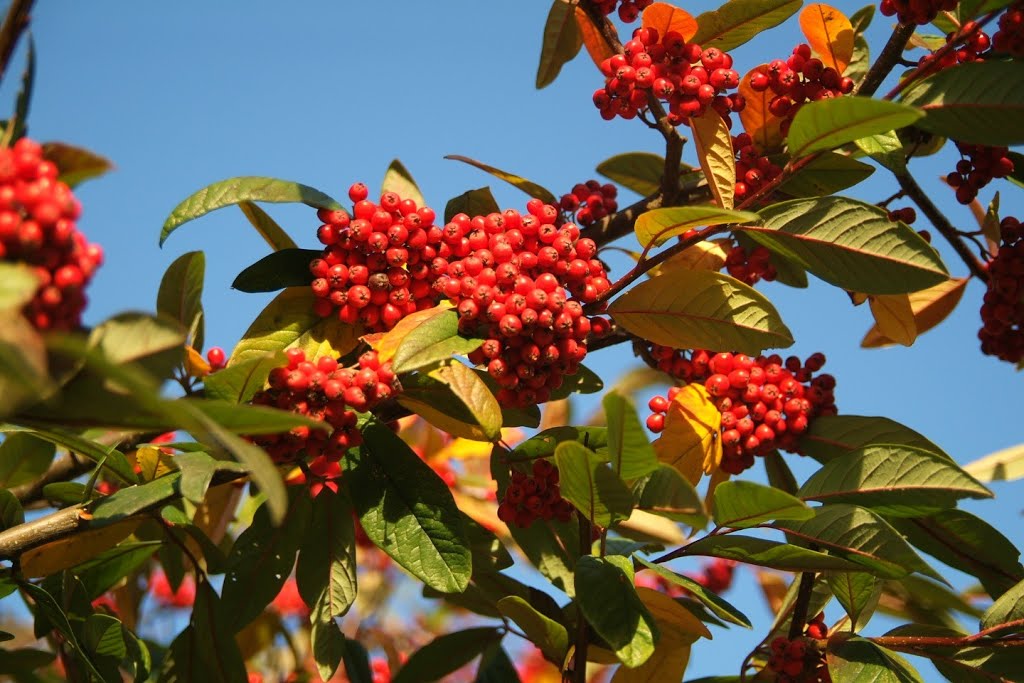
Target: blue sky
{"points": [[183, 94]]}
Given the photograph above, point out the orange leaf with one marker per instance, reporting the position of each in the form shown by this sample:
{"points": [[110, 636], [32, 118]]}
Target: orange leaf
{"points": [[596, 45], [929, 306], [894, 317], [690, 440], [665, 17], [829, 33], [706, 255], [713, 141], [763, 127], [195, 364], [774, 588]]}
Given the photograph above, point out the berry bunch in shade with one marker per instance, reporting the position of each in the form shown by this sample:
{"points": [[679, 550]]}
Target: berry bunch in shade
{"points": [[978, 165], [797, 80], [907, 214], [37, 227], [800, 660], [628, 10], [750, 266], [534, 496], [166, 596], [766, 403], [521, 286], [325, 391], [972, 47], [716, 576], [375, 266], [590, 201], [753, 170], [381, 670], [1002, 308], [688, 78], [1009, 39], [918, 12]]}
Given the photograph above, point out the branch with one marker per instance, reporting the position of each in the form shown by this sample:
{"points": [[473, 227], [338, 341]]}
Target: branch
{"points": [[942, 224], [620, 223], [803, 600], [14, 25], [887, 60], [65, 468]]}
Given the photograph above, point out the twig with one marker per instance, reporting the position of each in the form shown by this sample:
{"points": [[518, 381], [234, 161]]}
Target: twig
{"points": [[65, 468], [803, 600], [887, 59], [14, 25]]}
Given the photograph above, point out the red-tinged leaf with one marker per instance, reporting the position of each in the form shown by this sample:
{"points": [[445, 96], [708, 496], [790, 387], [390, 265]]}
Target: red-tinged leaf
{"points": [[929, 308], [75, 164], [597, 47], [894, 317], [829, 33], [690, 440], [530, 188], [717, 159], [764, 128], [737, 21], [562, 41], [665, 17]]}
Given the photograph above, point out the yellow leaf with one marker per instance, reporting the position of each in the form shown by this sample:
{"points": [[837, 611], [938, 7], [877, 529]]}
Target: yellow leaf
{"points": [[894, 318], [670, 615], [67, 552], [706, 255], [217, 510], [467, 449], [929, 306], [714, 151], [195, 364], [388, 343], [829, 33], [653, 527], [764, 128], [717, 477], [679, 629], [595, 43], [690, 440], [329, 337], [556, 414], [153, 463], [1004, 465], [774, 589], [665, 17]]}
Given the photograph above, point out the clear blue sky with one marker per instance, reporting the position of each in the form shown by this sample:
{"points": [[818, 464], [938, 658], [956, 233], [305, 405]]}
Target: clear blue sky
{"points": [[183, 94]]}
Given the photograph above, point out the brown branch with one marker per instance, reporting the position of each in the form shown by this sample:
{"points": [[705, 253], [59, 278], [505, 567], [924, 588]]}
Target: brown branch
{"points": [[15, 23], [887, 60], [65, 468], [620, 223], [803, 601]]}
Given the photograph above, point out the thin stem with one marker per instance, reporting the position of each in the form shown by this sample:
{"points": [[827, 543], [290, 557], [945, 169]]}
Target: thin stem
{"points": [[803, 600], [887, 59], [15, 23]]}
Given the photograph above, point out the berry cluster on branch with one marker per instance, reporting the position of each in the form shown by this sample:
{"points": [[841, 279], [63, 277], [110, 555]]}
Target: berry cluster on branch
{"points": [[797, 80], [716, 576], [918, 12], [972, 47], [1002, 309], [750, 265], [801, 660], [534, 496], [590, 201], [753, 170], [628, 10], [1009, 39], [978, 165]]}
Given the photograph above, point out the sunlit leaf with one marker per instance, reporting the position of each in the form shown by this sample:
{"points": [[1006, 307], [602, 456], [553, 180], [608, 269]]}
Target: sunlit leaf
{"points": [[764, 128], [397, 179], [1004, 465], [562, 41], [586, 481], [690, 441], [593, 40], [654, 227], [829, 33], [894, 318], [713, 602], [742, 504], [547, 634], [737, 21], [530, 188], [267, 227], [713, 141], [929, 308], [637, 171], [830, 123], [665, 17]]}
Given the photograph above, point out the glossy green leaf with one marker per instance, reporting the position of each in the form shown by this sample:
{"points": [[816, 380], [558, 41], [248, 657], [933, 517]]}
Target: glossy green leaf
{"points": [[239, 381], [478, 202], [893, 479], [103, 635], [827, 174], [18, 284], [272, 233], [328, 644], [637, 171], [607, 598], [277, 270], [130, 500], [327, 556], [742, 504], [977, 102], [181, 293], [408, 511], [447, 653], [719, 607], [549, 635], [455, 399], [530, 188], [701, 309], [206, 649], [75, 165], [562, 42], [831, 436], [737, 21], [830, 123], [113, 459], [11, 514], [658, 225], [104, 571], [434, 341], [668, 494], [544, 444], [629, 450], [858, 593], [856, 660], [586, 481], [1008, 608], [764, 553], [236, 190], [397, 179], [23, 458], [496, 667]]}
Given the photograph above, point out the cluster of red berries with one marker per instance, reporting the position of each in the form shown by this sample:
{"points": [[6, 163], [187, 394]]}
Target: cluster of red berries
{"points": [[629, 10], [590, 201], [37, 227], [1009, 39], [750, 266], [797, 80], [973, 48], [799, 660], [375, 267], [510, 290], [716, 576], [534, 496], [753, 170], [978, 165], [685, 76], [1002, 309], [907, 214], [325, 391], [766, 403], [918, 12], [380, 670]]}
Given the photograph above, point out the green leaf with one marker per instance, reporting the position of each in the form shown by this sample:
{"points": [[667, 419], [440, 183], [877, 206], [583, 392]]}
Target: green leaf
{"points": [[562, 42], [272, 233], [103, 635], [478, 202], [827, 124], [241, 189], [547, 545], [104, 571], [658, 225], [19, 120], [197, 470], [75, 164], [856, 660], [737, 21], [607, 598], [977, 102], [701, 309], [713, 602], [113, 459], [584, 381], [357, 663], [65, 492], [408, 512], [496, 667], [668, 494], [547, 634], [764, 553], [23, 458], [128, 501], [886, 149], [860, 536], [447, 653], [240, 381], [456, 400], [779, 474], [530, 188], [262, 559], [858, 593], [629, 451], [1005, 464], [831, 436], [327, 557], [11, 514], [962, 664], [637, 171], [181, 293], [206, 649], [23, 364], [397, 179], [47, 608], [277, 270], [590, 485], [251, 419], [23, 660], [1009, 607], [328, 644], [18, 284], [743, 504], [893, 479], [827, 174], [544, 444], [860, 60], [435, 340]]}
